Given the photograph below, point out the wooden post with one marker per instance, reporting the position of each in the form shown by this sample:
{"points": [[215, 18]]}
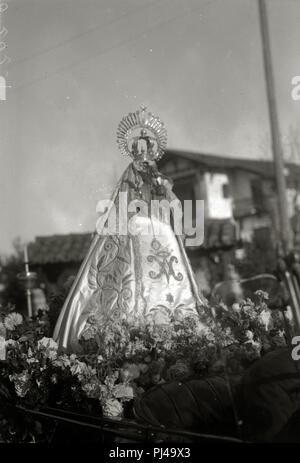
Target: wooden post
{"points": [[284, 231]]}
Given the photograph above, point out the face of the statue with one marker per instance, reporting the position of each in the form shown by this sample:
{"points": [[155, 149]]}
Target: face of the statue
{"points": [[142, 145], [143, 165], [142, 149]]}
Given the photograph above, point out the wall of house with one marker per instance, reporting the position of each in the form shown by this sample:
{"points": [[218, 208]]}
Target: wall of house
{"points": [[240, 184], [293, 199], [217, 205], [247, 225], [242, 190], [250, 208]]}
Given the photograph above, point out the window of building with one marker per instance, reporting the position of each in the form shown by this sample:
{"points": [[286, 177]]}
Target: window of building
{"points": [[226, 191], [257, 191]]}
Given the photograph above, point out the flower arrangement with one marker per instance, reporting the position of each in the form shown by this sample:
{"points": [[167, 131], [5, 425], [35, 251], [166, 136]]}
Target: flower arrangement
{"points": [[122, 357]]}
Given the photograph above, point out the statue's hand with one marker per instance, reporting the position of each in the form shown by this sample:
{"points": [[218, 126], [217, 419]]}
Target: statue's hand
{"points": [[165, 181]]}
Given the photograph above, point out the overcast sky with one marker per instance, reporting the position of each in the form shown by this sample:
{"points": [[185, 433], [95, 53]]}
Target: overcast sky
{"points": [[78, 66]]}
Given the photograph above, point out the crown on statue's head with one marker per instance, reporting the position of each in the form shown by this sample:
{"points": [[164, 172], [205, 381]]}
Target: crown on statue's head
{"points": [[142, 136]]}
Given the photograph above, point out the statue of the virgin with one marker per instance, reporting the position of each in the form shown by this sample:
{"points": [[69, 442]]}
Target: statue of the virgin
{"points": [[136, 262]]}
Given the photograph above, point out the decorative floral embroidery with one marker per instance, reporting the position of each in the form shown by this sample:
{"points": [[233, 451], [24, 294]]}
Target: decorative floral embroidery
{"points": [[112, 282], [169, 298], [162, 256]]}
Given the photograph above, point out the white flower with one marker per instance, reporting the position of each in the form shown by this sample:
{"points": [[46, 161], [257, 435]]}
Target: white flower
{"points": [[104, 392], [52, 354], [2, 348], [12, 320], [228, 331], [265, 317], [249, 335], [257, 345], [31, 360], [47, 343], [49, 347], [92, 389], [30, 357], [236, 307], [62, 361], [82, 371], [2, 330], [21, 382], [11, 343], [123, 391], [168, 345], [100, 359], [112, 408], [78, 368]]}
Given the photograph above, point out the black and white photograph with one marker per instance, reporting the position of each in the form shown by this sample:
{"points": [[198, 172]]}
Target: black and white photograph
{"points": [[150, 225]]}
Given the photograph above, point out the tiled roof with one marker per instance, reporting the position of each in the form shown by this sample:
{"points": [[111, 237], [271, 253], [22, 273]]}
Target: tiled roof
{"points": [[59, 248], [72, 248], [265, 168]]}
